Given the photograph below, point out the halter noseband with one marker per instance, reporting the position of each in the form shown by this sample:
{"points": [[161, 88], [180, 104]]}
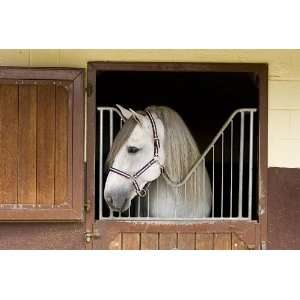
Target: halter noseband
{"points": [[134, 177]]}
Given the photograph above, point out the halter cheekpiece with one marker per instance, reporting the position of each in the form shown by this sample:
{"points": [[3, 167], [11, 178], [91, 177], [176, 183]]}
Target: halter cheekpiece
{"points": [[142, 192]]}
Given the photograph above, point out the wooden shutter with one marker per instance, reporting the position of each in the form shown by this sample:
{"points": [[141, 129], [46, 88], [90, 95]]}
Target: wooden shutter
{"points": [[41, 144]]}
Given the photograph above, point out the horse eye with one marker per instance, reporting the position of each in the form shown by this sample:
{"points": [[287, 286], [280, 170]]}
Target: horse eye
{"points": [[132, 149]]}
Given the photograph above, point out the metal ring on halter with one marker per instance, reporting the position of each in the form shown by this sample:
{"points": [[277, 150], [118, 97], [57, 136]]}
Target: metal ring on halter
{"points": [[142, 193]]}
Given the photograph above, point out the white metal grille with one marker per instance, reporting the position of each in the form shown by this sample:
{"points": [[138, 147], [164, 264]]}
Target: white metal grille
{"points": [[229, 195]]}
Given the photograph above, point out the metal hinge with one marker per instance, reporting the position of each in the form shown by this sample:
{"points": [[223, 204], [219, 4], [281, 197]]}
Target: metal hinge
{"points": [[89, 89], [87, 205], [263, 245], [90, 235]]}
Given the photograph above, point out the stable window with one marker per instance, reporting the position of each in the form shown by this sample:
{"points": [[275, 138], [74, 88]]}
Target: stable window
{"points": [[223, 109], [41, 142]]}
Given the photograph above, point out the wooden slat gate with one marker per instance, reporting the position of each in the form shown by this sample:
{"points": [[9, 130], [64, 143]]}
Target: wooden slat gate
{"points": [[202, 236]]}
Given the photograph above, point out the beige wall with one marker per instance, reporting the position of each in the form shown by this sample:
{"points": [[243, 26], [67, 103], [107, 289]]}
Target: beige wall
{"points": [[284, 83]]}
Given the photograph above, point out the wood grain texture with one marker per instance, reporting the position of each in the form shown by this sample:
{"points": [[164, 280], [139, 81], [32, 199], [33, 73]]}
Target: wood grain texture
{"points": [[167, 241], [116, 243], [27, 144], [186, 241], [131, 241], [8, 144], [222, 241], [204, 241], [237, 243], [61, 146], [149, 241], [46, 145]]}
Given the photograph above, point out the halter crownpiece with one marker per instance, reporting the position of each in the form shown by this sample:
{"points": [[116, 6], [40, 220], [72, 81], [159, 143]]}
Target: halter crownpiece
{"points": [[134, 177]]}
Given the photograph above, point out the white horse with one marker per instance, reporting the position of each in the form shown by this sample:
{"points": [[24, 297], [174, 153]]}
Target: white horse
{"points": [[133, 148]]}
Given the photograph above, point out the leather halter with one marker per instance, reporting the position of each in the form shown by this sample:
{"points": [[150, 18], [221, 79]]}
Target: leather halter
{"points": [[142, 192]]}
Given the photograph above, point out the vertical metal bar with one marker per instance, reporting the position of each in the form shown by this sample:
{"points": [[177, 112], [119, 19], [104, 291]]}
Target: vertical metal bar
{"points": [[156, 198], [222, 178], [111, 127], [101, 165], [250, 166], [213, 184], [148, 205], [203, 177], [139, 205], [175, 205], [241, 162], [231, 153]]}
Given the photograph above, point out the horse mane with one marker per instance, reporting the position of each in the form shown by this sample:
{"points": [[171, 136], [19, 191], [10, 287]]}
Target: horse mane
{"points": [[180, 147]]}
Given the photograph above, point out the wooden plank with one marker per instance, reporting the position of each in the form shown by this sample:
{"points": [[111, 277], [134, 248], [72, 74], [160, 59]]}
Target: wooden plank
{"points": [[45, 145], [186, 241], [116, 243], [222, 241], [204, 241], [167, 241], [8, 143], [27, 144], [237, 243], [149, 241], [131, 241], [61, 146]]}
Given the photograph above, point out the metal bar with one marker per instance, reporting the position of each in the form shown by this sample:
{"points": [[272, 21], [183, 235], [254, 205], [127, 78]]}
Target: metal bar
{"points": [[156, 197], [241, 163], [139, 206], [203, 178], [180, 219], [101, 166], [111, 127], [250, 167], [231, 154], [148, 205], [222, 178], [213, 184], [216, 138]]}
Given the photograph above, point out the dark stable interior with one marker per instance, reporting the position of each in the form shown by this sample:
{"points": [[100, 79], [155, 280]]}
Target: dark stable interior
{"points": [[205, 100]]}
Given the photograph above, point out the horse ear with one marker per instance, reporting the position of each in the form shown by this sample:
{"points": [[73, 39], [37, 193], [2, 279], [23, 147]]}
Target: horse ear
{"points": [[138, 117], [126, 114]]}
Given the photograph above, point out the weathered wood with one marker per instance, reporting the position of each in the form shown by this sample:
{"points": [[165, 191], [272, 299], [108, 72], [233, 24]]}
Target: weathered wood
{"points": [[186, 241], [46, 145], [222, 241], [116, 243], [237, 243], [131, 241], [61, 146], [167, 241], [8, 143], [204, 241], [27, 144], [284, 209], [149, 241]]}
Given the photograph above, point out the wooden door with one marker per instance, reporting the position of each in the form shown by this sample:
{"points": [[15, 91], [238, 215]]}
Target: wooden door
{"points": [[41, 142], [222, 235]]}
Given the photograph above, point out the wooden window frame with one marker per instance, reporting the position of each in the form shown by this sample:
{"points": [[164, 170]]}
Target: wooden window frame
{"points": [[75, 135], [260, 69]]}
